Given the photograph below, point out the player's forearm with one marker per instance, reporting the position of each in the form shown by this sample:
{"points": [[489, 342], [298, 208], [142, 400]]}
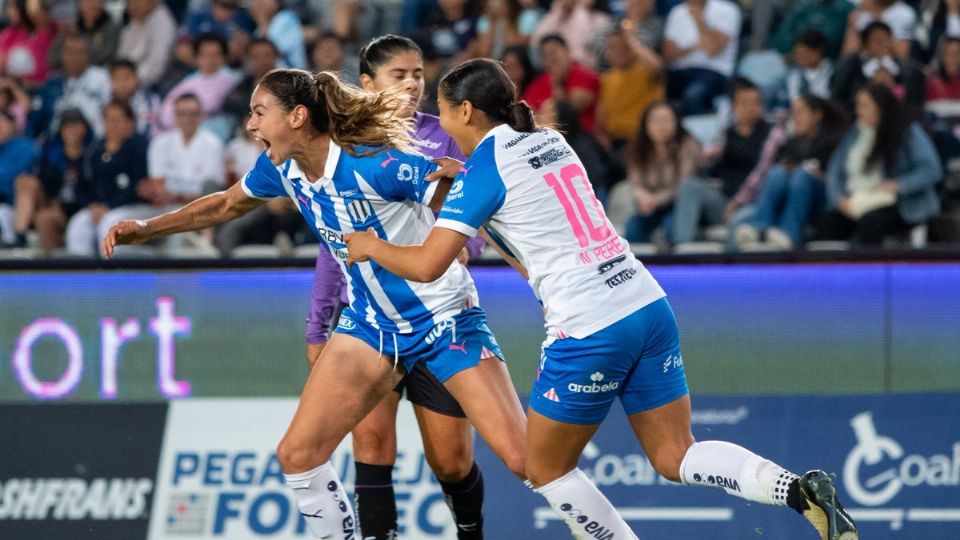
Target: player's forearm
{"points": [[204, 212], [414, 263]]}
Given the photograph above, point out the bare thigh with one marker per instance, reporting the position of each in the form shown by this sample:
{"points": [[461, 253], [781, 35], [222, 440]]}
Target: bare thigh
{"points": [[664, 433], [553, 448], [487, 396], [447, 443], [348, 380]]}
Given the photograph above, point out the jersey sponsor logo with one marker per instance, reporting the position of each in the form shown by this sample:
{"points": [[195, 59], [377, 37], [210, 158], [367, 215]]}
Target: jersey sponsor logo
{"points": [[330, 236], [550, 156], [360, 210], [406, 172], [515, 141], [390, 159], [439, 329], [452, 210], [346, 322], [538, 147], [456, 191], [595, 387], [429, 144], [349, 193], [551, 394], [672, 361], [74, 498], [607, 266], [621, 277]]}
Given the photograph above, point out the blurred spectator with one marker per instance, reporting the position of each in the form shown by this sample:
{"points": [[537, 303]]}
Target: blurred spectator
{"points": [[211, 83], [94, 25], [644, 32], [578, 23], [938, 20], [504, 23], [811, 70], [709, 201], [566, 80], [898, 16], [661, 156], [227, 19], [48, 198], [792, 193], [516, 62], [878, 58], [125, 87], [943, 89], [147, 39], [183, 163], [827, 16], [241, 153], [283, 28], [882, 179], [451, 31], [634, 80], [181, 65], [78, 86], [107, 190], [15, 101], [25, 42], [328, 54], [18, 155], [700, 50], [262, 56]]}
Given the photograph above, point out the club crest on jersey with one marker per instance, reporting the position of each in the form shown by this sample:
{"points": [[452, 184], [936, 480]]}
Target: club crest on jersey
{"points": [[360, 210]]}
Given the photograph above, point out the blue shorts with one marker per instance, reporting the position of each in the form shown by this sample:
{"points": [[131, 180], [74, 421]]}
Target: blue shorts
{"points": [[636, 359], [445, 349]]}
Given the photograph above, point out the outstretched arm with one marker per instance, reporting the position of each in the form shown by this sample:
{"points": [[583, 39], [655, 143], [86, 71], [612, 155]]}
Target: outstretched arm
{"points": [[423, 263], [204, 212]]}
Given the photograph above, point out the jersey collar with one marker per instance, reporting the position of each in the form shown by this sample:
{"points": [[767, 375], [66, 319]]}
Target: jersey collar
{"points": [[329, 167]]}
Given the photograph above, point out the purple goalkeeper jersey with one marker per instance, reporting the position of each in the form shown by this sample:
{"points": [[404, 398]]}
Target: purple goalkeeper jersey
{"points": [[329, 285]]}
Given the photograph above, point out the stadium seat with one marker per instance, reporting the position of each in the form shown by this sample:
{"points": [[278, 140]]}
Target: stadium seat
{"points": [[698, 248], [766, 69], [828, 245], [255, 251], [306, 251], [192, 252], [706, 128], [135, 252]]}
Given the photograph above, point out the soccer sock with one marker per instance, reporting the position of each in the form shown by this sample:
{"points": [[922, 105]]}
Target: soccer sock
{"points": [[465, 499], [376, 505], [739, 472], [323, 502], [583, 508]]}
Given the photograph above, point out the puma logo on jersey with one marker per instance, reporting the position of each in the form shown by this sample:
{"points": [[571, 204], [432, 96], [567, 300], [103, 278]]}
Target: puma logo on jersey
{"points": [[388, 161], [465, 170], [462, 347]]}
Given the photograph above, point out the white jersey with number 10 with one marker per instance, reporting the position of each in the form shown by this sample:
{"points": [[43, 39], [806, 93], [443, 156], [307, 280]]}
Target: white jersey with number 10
{"points": [[531, 193]]}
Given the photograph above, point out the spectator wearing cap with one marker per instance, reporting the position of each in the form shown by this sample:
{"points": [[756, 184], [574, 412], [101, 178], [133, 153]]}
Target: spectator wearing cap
{"points": [[700, 50], [147, 40], [96, 26], [47, 197], [78, 86]]}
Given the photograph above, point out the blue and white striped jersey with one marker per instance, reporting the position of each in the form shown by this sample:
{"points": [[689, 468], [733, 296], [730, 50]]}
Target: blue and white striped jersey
{"points": [[385, 191], [531, 193]]}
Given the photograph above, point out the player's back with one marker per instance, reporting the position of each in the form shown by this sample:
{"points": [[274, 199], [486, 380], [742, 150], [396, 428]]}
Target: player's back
{"points": [[582, 271]]}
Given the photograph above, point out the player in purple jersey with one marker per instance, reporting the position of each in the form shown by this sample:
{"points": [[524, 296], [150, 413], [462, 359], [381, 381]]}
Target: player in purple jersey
{"points": [[447, 434], [344, 155]]}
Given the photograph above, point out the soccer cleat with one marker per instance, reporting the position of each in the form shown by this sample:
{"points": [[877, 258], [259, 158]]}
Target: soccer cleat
{"points": [[823, 510]]}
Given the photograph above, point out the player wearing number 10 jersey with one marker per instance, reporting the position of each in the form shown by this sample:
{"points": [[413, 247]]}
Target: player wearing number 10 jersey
{"points": [[610, 331]]}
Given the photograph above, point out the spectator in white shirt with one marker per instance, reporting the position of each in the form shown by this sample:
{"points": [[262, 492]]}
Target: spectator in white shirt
{"points": [[700, 49], [900, 17], [811, 70], [183, 163]]}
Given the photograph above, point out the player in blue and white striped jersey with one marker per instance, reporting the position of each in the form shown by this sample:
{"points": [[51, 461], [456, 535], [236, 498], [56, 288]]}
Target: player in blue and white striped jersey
{"points": [[611, 334], [336, 151]]}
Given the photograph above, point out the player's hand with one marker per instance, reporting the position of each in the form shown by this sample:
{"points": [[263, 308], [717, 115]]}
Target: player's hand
{"points": [[449, 168], [360, 246], [125, 232]]}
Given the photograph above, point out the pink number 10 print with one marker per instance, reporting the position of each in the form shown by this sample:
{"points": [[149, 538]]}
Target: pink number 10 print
{"points": [[569, 174]]}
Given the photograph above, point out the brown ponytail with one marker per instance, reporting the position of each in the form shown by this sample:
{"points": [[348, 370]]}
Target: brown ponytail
{"points": [[485, 84], [349, 115], [522, 117]]}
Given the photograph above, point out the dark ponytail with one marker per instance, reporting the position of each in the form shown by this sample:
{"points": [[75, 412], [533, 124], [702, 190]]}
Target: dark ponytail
{"points": [[485, 84], [349, 115]]}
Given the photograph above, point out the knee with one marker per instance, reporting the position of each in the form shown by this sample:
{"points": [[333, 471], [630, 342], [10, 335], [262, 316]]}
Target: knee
{"points": [[689, 188], [374, 448], [516, 462], [453, 463], [297, 456]]}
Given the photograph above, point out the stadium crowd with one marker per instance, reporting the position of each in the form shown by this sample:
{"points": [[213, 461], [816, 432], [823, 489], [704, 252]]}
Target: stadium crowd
{"points": [[704, 124]]}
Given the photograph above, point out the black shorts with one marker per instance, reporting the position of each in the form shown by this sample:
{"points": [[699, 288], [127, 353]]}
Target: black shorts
{"points": [[424, 389]]}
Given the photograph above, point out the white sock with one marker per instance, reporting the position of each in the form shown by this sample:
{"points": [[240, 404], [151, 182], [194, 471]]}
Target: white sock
{"points": [[584, 509], [323, 502], [737, 470]]}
